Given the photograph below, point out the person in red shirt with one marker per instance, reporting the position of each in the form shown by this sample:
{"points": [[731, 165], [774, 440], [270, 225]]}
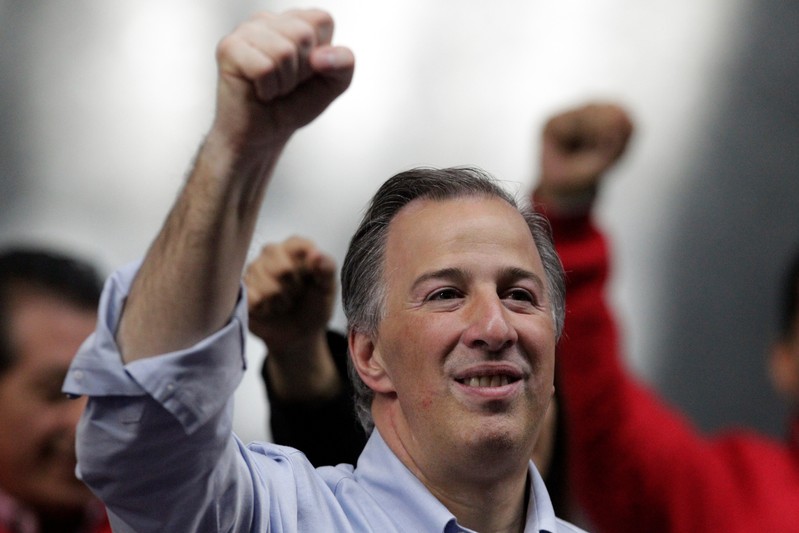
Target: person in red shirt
{"points": [[48, 306], [636, 463]]}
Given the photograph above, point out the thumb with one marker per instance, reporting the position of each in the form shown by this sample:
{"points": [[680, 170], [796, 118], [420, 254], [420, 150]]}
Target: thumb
{"points": [[335, 63]]}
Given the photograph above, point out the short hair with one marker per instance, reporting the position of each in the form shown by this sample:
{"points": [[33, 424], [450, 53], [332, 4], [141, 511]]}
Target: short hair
{"points": [[69, 279], [363, 285], [789, 309]]}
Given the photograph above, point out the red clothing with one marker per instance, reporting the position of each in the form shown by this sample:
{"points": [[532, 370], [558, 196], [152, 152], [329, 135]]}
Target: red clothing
{"points": [[636, 464]]}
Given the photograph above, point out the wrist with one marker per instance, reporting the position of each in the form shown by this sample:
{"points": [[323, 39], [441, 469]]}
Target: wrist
{"points": [[564, 202], [303, 372]]}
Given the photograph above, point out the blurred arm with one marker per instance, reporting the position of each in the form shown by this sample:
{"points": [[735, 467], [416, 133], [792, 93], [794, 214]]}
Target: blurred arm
{"points": [[290, 296], [290, 293]]}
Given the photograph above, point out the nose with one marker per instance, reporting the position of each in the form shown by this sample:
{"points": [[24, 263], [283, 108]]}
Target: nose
{"points": [[488, 325]]}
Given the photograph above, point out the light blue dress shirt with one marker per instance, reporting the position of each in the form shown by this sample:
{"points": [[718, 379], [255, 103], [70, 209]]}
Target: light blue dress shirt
{"points": [[155, 443]]}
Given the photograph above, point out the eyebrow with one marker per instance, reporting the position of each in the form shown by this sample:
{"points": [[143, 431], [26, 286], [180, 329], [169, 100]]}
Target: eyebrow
{"points": [[507, 275], [445, 273], [514, 274]]}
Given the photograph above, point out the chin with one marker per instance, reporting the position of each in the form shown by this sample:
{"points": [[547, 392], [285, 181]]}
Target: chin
{"points": [[495, 436], [499, 455]]}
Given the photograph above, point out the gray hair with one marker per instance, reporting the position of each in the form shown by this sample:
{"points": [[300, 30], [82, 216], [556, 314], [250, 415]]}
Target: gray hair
{"points": [[363, 285]]}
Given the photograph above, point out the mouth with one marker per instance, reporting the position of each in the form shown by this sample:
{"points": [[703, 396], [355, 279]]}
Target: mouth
{"points": [[491, 376], [488, 381]]}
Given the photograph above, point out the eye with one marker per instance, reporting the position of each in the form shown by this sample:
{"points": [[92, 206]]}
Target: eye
{"points": [[521, 295], [444, 294]]}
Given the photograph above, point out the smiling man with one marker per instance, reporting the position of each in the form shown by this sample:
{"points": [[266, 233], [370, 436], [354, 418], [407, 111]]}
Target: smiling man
{"points": [[454, 298], [453, 318]]}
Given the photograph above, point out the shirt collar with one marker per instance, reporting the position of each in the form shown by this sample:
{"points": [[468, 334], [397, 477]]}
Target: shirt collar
{"points": [[394, 487]]}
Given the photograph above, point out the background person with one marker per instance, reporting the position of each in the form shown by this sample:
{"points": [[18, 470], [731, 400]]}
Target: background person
{"points": [[48, 306], [637, 464], [291, 289]]}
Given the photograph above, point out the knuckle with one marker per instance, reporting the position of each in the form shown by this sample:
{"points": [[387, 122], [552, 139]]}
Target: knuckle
{"points": [[225, 47]]}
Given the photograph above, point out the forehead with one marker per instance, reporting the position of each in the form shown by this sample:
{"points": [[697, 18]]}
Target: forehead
{"points": [[431, 233], [44, 330]]}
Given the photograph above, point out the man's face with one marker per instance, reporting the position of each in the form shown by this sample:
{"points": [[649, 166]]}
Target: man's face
{"points": [[468, 339], [37, 453]]}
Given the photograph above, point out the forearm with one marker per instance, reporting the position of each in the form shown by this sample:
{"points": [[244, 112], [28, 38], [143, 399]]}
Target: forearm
{"points": [[326, 430], [188, 283], [275, 75]]}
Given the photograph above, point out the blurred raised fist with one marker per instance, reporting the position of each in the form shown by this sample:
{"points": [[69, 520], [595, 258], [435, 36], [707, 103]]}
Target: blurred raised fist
{"points": [[290, 293], [578, 146]]}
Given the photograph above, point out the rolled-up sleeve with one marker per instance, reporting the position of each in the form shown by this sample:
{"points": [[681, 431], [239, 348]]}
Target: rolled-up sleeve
{"points": [[158, 431], [192, 384]]}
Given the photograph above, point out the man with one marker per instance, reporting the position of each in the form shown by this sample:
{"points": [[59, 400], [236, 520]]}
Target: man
{"points": [[454, 300], [637, 464], [48, 307]]}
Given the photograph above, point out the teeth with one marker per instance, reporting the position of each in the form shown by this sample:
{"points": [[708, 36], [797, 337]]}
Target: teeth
{"points": [[487, 381]]}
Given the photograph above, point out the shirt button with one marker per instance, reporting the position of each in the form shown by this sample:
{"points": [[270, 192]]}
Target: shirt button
{"points": [[77, 375], [170, 387]]}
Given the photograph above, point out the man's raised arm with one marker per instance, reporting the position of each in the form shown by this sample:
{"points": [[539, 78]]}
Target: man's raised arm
{"points": [[276, 74]]}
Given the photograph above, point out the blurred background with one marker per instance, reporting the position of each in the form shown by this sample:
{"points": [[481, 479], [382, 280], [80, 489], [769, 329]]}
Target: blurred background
{"points": [[103, 104]]}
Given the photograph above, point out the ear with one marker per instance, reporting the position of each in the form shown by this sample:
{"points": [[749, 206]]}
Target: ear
{"points": [[784, 369], [368, 362]]}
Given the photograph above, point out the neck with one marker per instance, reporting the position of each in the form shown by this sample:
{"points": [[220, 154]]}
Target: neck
{"points": [[483, 489], [501, 507]]}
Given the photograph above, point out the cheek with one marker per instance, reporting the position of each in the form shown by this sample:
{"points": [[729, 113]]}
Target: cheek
{"points": [[18, 441], [427, 402], [414, 346], [421, 407], [16, 410], [414, 368], [540, 341]]}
